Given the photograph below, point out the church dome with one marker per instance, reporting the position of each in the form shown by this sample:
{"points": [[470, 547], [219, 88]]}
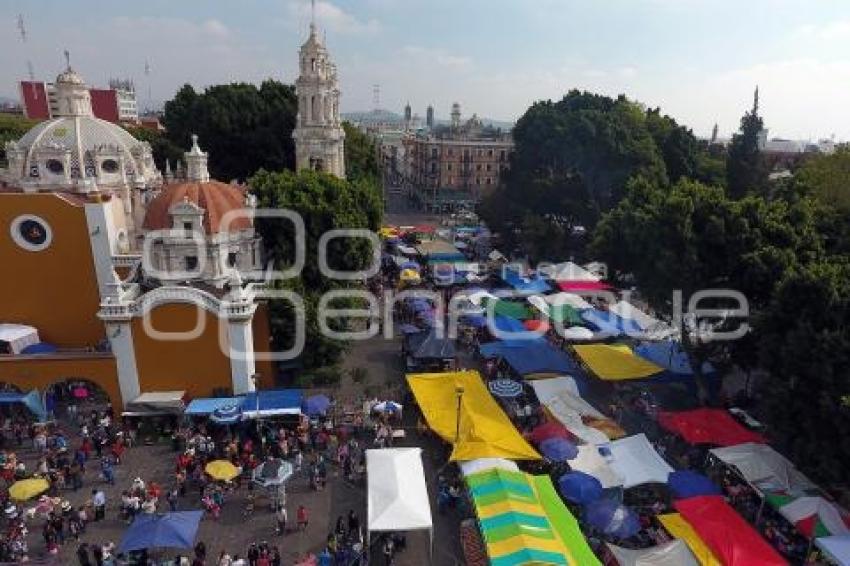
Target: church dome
{"points": [[69, 76], [215, 198]]}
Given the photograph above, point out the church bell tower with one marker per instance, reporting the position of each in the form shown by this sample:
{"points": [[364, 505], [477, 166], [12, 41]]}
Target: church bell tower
{"points": [[319, 137]]}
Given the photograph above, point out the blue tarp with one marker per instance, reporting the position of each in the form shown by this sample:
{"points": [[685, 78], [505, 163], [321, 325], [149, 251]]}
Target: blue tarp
{"points": [[473, 320], [686, 483], [273, 402], [608, 323], [40, 348], [508, 324], [531, 356], [670, 355], [580, 487], [558, 449], [168, 530], [207, 405], [612, 518], [316, 405], [31, 401], [525, 285]]}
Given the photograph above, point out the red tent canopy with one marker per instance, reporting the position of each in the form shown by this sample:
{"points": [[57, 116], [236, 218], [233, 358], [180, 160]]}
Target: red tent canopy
{"points": [[708, 426], [548, 430], [424, 229], [569, 286], [536, 325], [726, 533]]}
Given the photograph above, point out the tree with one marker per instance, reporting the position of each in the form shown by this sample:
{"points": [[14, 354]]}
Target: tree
{"points": [[162, 147], [746, 172], [805, 345], [324, 203], [361, 155], [12, 128], [684, 156], [828, 178], [244, 128]]}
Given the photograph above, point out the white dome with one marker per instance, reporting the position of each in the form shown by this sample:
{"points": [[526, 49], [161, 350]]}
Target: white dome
{"points": [[74, 149]]}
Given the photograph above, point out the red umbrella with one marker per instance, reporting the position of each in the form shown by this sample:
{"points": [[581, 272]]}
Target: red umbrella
{"points": [[535, 325], [583, 286], [80, 392]]}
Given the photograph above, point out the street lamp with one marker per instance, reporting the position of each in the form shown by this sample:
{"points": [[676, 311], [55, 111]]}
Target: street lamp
{"points": [[459, 394]]}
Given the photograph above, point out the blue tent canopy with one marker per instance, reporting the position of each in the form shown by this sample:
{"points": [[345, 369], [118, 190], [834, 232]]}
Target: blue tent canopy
{"points": [[31, 401], [525, 285], [532, 356], [167, 530], [473, 320], [507, 324], [316, 405], [558, 449], [612, 518], [687, 483], [207, 405], [606, 322], [40, 348], [671, 356], [580, 487], [272, 402]]}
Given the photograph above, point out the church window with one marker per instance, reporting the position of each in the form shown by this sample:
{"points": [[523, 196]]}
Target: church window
{"points": [[188, 228], [109, 166], [434, 153], [191, 263], [489, 167], [31, 233], [449, 167], [231, 259], [55, 166]]}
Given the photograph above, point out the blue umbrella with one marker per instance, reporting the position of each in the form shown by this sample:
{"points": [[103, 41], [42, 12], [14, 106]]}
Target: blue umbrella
{"points": [[316, 405], [580, 487], [420, 305], [558, 449], [410, 265], [168, 530], [612, 518], [505, 388], [686, 483], [409, 329], [227, 414]]}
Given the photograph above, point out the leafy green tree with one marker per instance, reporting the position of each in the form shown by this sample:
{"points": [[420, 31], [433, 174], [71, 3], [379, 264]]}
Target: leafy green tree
{"points": [[684, 156], [324, 203], [804, 339], [828, 177], [244, 128], [12, 128], [163, 148], [361, 155], [746, 172]]}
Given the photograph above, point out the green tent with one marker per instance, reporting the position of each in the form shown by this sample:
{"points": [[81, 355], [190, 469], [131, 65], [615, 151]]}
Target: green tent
{"points": [[512, 309], [565, 315]]}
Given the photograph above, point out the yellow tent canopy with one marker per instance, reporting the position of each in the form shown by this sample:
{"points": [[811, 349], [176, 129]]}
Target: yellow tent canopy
{"points": [[615, 362], [221, 470], [677, 526], [27, 489], [410, 276], [485, 430]]}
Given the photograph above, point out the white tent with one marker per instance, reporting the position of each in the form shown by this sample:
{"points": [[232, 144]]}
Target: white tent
{"points": [[653, 327], [569, 299], [546, 389], [764, 468], [569, 271], [560, 397], [592, 463], [673, 553], [18, 336], [836, 548], [804, 507], [481, 464], [397, 494], [635, 459]]}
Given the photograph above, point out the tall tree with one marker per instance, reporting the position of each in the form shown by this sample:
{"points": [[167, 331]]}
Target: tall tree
{"points": [[746, 172], [12, 128], [244, 128]]}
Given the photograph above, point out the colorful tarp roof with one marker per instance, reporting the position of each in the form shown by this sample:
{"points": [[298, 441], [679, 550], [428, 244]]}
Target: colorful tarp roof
{"points": [[485, 430], [531, 356], [615, 362], [634, 458], [728, 535], [608, 324], [708, 426], [559, 396], [671, 356], [682, 530], [512, 309], [525, 285], [836, 548], [765, 468], [673, 553], [813, 516], [524, 521]]}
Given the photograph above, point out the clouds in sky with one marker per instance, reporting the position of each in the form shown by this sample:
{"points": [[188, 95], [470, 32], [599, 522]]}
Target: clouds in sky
{"points": [[698, 61]]}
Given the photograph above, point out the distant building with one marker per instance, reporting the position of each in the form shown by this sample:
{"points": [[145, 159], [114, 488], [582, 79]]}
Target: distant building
{"points": [[116, 104], [454, 166], [429, 117]]}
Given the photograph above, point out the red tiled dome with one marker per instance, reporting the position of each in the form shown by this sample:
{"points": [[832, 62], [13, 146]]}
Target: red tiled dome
{"points": [[215, 197]]}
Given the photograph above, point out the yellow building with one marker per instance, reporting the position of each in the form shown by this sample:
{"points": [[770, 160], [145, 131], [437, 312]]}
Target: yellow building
{"points": [[134, 280]]}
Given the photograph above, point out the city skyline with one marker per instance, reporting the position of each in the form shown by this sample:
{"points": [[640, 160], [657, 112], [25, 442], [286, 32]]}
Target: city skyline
{"points": [[698, 61]]}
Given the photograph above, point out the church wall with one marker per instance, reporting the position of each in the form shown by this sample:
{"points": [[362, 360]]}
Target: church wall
{"points": [[54, 290], [262, 344], [198, 366], [29, 372]]}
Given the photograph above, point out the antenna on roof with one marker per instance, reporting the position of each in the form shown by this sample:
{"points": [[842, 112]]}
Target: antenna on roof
{"points": [[67, 58], [22, 30], [312, 16]]}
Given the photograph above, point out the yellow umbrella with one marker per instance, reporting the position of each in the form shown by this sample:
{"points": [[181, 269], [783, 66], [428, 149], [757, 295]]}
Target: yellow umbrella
{"points": [[221, 470], [388, 232], [410, 276], [27, 489]]}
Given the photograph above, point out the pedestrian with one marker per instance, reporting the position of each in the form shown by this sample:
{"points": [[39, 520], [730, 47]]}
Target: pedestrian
{"points": [[302, 518], [280, 518], [388, 551], [108, 471], [99, 501], [172, 497], [353, 523], [83, 555]]}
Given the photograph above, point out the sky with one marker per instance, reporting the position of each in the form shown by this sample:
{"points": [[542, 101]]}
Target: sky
{"points": [[699, 60]]}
